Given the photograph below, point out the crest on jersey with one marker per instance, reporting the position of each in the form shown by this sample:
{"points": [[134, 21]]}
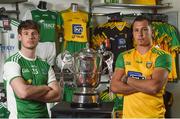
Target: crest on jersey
{"points": [[148, 65], [41, 21], [128, 63], [29, 81], [53, 17]]}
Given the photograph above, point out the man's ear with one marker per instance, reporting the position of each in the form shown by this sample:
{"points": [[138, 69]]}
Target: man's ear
{"points": [[19, 37], [153, 34]]}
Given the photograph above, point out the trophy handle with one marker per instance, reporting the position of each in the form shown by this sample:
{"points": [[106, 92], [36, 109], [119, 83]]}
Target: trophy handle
{"points": [[109, 62]]}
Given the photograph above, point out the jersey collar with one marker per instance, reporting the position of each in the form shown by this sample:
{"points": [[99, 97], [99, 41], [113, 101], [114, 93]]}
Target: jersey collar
{"points": [[44, 10], [30, 59]]}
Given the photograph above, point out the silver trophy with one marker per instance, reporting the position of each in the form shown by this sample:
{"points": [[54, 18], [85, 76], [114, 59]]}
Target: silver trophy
{"points": [[87, 65]]}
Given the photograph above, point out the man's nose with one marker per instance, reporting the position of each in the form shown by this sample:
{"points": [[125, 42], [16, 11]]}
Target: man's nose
{"points": [[31, 35], [140, 32]]}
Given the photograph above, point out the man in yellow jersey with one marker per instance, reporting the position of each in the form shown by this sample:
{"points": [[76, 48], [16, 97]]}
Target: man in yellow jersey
{"points": [[141, 74]]}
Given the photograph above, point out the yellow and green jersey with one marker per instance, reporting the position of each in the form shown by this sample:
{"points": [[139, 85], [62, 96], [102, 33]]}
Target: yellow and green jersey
{"points": [[75, 25], [142, 105], [167, 38]]}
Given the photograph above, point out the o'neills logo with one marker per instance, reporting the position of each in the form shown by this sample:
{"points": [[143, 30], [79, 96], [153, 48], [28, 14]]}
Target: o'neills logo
{"points": [[148, 65]]}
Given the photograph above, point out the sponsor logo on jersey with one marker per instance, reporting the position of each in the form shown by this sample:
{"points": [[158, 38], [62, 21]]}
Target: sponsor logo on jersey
{"points": [[121, 43], [48, 26], [136, 75], [77, 36], [148, 65], [6, 48], [24, 70], [77, 29]]}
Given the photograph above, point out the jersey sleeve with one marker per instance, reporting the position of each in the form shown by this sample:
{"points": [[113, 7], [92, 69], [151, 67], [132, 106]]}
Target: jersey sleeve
{"points": [[59, 20], [11, 71], [164, 61], [27, 15], [61, 17], [120, 61], [51, 75]]}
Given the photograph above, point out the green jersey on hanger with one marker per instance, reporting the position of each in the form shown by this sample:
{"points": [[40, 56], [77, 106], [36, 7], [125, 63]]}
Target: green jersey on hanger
{"points": [[49, 22]]}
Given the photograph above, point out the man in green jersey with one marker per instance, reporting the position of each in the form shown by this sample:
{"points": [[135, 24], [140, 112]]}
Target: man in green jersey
{"points": [[141, 74], [30, 81]]}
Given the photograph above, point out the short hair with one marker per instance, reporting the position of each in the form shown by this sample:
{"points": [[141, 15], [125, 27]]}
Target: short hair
{"points": [[141, 18], [28, 24]]}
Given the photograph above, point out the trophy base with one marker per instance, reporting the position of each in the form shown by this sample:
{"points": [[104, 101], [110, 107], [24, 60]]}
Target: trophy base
{"points": [[85, 100], [84, 105]]}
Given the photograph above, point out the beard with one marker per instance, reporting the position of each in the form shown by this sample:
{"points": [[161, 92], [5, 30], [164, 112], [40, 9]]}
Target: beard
{"points": [[143, 42]]}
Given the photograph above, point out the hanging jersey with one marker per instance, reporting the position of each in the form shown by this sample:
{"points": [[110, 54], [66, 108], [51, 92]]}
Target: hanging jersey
{"points": [[49, 22], [167, 38], [75, 25], [118, 34], [142, 66], [9, 43], [34, 72], [49, 52], [121, 39]]}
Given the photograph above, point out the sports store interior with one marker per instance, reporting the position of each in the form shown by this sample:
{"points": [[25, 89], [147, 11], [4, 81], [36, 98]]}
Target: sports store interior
{"points": [[104, 27]]}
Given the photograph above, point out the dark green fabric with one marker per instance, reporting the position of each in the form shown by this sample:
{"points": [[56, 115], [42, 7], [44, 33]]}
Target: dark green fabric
{"points": [[4, 113], [73, 47], [68, 93]]}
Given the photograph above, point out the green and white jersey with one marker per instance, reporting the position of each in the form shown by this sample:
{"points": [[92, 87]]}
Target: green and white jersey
{"points": [[49, 22], [35, 72]]}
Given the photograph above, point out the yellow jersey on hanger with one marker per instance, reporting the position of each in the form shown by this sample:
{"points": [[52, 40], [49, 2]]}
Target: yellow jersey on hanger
{"points": [[75, 25]]}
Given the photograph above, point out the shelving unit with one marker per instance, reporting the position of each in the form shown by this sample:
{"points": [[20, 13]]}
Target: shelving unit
{"points": [[16, 2], [134, 6], [154, 8]]}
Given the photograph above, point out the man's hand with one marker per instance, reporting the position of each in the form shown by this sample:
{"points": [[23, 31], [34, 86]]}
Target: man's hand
{"points": [[119, 86], [124, 79]]}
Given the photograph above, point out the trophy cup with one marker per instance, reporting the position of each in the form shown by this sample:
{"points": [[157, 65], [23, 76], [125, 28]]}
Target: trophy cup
{"points": [[87, 71]]}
